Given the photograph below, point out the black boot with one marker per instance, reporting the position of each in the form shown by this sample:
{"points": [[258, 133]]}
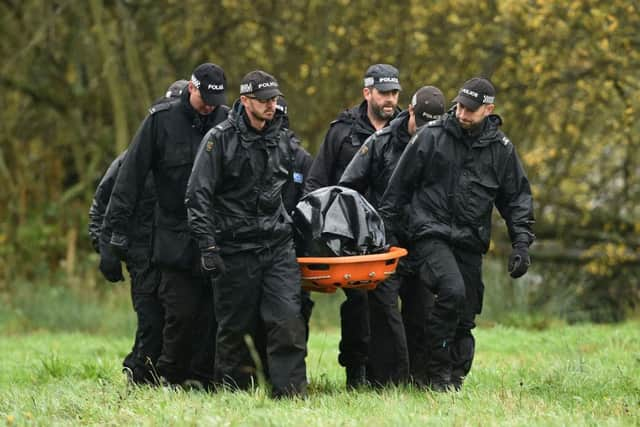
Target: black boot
{"points": [[356, 376], [439, 370]]}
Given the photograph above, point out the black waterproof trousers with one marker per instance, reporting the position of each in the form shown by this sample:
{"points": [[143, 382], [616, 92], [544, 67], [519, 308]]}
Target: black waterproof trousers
{"points": [[354, 327], [455, 277], [388, 361], [145, 279], [188, 346], [417, 303], [259, 297]]}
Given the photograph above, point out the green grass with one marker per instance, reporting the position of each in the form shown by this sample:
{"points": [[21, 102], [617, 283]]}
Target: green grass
{"points": [[587, 375]]}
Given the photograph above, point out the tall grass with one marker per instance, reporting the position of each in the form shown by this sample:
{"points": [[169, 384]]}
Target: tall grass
{"points": [[62, 343], [571, 375]]}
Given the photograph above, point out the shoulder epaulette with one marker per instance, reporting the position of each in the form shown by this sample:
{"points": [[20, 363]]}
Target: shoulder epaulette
{"points": [[346, 117], [160, 107], [223, 125]]}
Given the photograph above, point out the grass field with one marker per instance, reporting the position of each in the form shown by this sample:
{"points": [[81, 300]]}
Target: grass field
{"points": [[570, 375]]}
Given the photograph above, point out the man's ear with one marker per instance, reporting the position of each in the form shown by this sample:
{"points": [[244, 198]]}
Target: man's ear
{"points": [[489, 109]]}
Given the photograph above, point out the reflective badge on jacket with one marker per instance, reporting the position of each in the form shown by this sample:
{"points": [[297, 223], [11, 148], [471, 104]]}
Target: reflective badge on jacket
{"points": [[209, 145], [298, 178]]}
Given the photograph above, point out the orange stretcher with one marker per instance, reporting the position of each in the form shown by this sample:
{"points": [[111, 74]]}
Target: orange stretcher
{"points": [[327, 274]]}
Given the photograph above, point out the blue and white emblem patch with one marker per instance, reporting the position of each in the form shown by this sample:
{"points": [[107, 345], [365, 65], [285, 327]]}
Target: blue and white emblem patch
{"points": [[298, 178]]}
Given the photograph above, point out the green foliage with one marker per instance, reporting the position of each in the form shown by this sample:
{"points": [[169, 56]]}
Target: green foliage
{"points": [[580, 376], [77, 78], [45, 306]]}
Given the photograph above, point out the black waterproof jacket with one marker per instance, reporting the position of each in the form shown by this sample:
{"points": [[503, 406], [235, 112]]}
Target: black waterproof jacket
{"points": [[453, 179], [141, 224], [371, 167], [166, 144], [294, 189], [234, 195], [345, 137]]}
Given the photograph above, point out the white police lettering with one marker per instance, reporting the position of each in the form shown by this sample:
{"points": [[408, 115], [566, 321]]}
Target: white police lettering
{"points": [[388, 80], [368, 81], [488, 99], [246, 88], [215, 87], [470, 93], [430, 117], [195, 81], [267, 84]]}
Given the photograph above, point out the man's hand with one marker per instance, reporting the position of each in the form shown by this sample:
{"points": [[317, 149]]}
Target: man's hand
{"points": [[212, 263], [110, 265], [119, 245], [519, 260]]}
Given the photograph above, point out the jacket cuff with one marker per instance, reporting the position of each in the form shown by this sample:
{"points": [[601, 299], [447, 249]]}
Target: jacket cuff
{"points": [[522, 240], [205, 244]]}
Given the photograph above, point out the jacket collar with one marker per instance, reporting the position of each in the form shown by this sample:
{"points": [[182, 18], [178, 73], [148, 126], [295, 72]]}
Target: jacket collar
{"points": [[199, 121], [357, 117], [400, 128], [248, 135], [488, 133]]}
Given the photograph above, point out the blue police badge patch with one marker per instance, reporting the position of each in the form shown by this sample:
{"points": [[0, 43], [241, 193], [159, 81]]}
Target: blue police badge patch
{"points": [[298, 178]]}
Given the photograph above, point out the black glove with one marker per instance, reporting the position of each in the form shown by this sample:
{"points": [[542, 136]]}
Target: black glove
{"points": [[519, 260], [119, 244], [212, 263], [110, 265]]}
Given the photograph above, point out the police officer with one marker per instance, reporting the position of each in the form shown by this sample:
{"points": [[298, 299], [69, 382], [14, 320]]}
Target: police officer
{"points": [[345, 137], [244, 232], [294, 189], [173, 91], [166, 144], [291, 193], [369, 172], [452, 173], [139, 364]]}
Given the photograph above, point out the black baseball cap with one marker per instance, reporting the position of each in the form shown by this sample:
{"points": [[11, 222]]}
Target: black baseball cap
{"points": [[475, 92], [383, 77], [211, 82], [428, 104], [175, 89], [259, 84]]}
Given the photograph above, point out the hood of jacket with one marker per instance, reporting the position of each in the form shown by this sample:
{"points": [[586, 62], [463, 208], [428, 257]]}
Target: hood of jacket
{"points": [[240, 121]]}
